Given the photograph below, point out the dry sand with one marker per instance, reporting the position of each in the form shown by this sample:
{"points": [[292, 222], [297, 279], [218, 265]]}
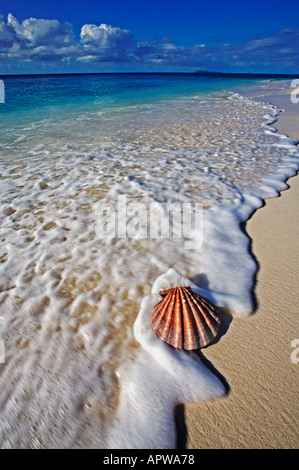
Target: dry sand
{"points": [[261, 408]]}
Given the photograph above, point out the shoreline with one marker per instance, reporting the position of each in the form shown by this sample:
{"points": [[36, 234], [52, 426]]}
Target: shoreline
{"points": [[63, 310], [254, 356]]}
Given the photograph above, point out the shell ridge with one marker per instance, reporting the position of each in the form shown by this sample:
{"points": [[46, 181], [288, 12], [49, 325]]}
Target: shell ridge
{"points": [[189, 322], [178, 321], [184, 319], [199, 301], [208, 324], [159, 318], [212, 309], [162, 307], [169, 324], [162, 316]]}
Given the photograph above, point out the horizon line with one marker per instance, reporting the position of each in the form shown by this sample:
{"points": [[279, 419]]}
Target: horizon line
{"points": [[197, 72]]}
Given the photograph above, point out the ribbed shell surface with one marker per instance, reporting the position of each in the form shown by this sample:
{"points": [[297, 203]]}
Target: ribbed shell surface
{"points": [[184, 319]]}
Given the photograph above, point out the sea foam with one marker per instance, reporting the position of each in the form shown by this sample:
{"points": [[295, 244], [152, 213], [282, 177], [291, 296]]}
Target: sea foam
{"points": [[160, 378]]}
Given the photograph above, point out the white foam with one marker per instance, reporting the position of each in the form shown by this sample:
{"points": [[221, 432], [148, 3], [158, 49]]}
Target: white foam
{"points": [[150, 390], [69, 299]]}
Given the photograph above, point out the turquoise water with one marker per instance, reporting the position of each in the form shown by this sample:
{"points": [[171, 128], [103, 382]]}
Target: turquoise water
{"points": [[37, 97], [33, 92], [37, 107]]}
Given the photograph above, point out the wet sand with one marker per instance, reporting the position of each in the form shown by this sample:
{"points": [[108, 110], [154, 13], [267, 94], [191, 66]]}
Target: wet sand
{"points": [[253, 357]]}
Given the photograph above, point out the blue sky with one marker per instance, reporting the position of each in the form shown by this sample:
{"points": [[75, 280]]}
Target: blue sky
{"points": [[49, 36]]}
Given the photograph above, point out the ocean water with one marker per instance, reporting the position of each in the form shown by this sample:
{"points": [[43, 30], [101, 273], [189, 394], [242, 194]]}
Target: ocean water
{"points": [[82, 366]]}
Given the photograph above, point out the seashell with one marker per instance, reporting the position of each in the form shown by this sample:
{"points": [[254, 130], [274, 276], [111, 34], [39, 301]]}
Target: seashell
{"points": [[184, 319]]}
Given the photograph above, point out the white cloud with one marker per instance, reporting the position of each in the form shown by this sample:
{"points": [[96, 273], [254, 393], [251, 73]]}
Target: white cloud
{"points": [[7, 36], [40, 40], [262, 43], [36, 39], [106, 43], [85, 58], [38, 32]]}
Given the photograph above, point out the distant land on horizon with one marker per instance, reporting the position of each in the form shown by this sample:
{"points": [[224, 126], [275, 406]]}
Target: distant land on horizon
{"points": [[204, 73], [246, 74]]}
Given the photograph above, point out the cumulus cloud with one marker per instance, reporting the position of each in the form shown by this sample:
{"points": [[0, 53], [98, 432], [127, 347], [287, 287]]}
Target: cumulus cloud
{"points": [[41, 32], [44, 41], [7, 36], [105, 43], [36, 39], [278, 52]]}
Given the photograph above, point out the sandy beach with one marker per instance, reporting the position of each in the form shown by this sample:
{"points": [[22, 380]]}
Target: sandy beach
{"points": [[82, 366], [253, 357]]}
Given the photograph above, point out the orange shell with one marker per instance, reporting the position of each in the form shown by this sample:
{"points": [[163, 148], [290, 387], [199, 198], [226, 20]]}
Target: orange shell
{"points": [[184, 319]]}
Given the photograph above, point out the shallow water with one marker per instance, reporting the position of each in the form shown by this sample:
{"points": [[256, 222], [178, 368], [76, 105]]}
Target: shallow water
{"points": [[69, 298]]}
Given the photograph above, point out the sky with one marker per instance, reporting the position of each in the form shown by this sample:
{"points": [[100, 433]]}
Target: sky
{"points": [[58, 36]]}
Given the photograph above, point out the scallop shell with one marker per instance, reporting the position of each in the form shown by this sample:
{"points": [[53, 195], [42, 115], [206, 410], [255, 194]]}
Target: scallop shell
{"points": [[184, 319]]}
